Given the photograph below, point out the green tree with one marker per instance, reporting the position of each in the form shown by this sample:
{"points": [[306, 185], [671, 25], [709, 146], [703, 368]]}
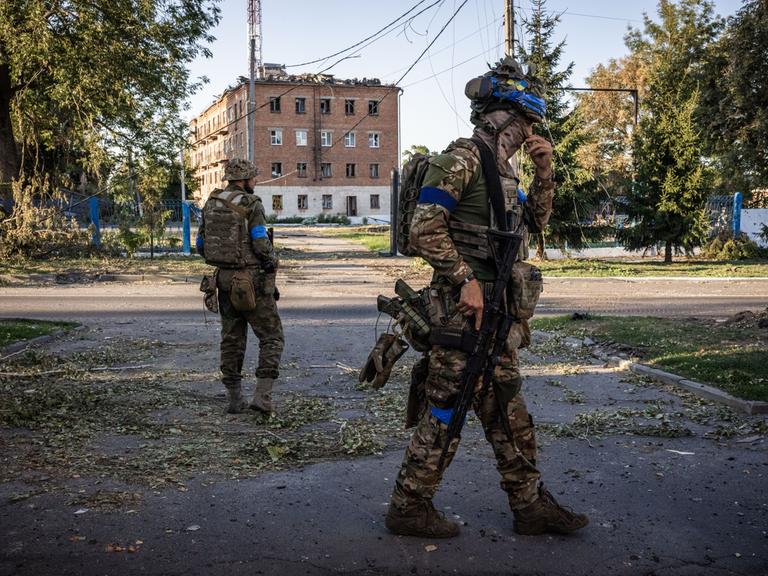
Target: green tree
{"points": [[577, 195], [415, 149], [734, 110], [80, 78], [666, 205]]}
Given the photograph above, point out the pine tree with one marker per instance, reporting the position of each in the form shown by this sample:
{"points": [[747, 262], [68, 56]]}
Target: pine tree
{"points": [[577, 195], [666, 204]]}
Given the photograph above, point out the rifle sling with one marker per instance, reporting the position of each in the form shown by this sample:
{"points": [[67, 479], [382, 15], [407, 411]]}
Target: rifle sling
{"points": [[493, 180]]}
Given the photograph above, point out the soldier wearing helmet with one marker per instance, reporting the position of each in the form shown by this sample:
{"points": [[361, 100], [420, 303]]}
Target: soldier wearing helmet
{"points": [[234, 238], [449, 230]]}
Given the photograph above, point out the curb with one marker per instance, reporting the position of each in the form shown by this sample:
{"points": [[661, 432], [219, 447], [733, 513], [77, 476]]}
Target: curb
{"points": [[16, 346], [750, 407]]}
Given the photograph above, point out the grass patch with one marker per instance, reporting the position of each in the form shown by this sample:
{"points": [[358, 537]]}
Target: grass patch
{"points": [[652, 267], [17, 329], [192, 265], [374, 239], [731, 355]]}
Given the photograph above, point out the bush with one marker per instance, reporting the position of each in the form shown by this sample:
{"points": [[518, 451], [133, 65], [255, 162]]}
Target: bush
{"points": [[725, 247], [333, 219]]}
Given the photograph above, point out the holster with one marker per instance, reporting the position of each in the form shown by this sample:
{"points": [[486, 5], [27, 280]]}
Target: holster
{"points": [[417, 393]]}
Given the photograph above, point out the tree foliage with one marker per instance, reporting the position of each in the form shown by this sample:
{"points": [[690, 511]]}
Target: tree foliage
{"points": [[577, 195], [667, 201], [734, 109], [80, 79]]}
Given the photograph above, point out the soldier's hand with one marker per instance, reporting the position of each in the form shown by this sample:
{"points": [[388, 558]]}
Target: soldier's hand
{"points": [[540, 151], [471, 301]]}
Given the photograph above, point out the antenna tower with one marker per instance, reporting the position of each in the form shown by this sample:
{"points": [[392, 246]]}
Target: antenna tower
{"points": [[255, 65]]}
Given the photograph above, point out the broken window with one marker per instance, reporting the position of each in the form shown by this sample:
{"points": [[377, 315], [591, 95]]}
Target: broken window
{"points": [[303, 202], [325, 105], [351, 170], [301, 169], [349, 107], [325, 170], [274, 103], [373, 107], [277, 169], [374, 170], [301, 105], [277, 202], [327, 202]]}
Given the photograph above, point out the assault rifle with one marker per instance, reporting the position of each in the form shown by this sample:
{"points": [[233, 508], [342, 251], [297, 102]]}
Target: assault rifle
{"points": [[497, 321]]}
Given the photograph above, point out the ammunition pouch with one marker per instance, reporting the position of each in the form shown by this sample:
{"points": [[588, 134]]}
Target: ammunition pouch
{"points": [[527, 286], [242, 293], [469, 239]]}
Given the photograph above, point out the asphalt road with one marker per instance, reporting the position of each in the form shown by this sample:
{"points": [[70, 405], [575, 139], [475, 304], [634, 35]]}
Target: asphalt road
{"points": [[685, 506]]}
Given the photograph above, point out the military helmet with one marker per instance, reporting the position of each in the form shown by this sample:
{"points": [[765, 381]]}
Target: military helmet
{"points": [[239, 169], [506, 86]]}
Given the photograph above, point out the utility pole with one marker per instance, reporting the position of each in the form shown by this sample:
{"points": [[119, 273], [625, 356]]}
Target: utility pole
{"points": [[255, 66], [509, 27]]}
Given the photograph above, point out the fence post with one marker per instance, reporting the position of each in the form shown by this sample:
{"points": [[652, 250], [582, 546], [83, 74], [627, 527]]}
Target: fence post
{"points": [[185, 226], [737, 201], [94, 206]]}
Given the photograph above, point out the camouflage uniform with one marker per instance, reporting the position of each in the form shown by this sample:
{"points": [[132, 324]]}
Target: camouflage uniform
{"points": [[458, 175], [264, 320]]}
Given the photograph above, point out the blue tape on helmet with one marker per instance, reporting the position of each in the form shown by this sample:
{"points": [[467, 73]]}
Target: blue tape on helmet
{"points": [[525, 99]]}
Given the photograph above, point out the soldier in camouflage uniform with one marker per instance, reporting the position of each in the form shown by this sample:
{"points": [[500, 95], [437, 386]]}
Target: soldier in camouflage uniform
{"points": [[448, 231], [233, 236]]}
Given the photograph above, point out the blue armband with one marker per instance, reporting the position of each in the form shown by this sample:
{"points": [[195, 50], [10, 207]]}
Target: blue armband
{"points": [[442, 414], [437, 196], [199, 244], [521, 196], [259, 232]]}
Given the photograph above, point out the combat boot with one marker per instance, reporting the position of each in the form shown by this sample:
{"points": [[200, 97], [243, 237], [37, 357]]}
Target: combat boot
{"points": [[420, 519], [262, 396], [237, 403], [546, 515]]}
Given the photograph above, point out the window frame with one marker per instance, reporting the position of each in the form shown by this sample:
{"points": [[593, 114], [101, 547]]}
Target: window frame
{"points": [[325, 105], [377, 197], [374, 139], [301, 170], [274, 104], [323, 170], [303, 131], [276, 136], [374, 167], [349, 106], [353, 170], [326, 138], [299, 202], [277, 202], [350, 140], [301, 109], [279, 172]]}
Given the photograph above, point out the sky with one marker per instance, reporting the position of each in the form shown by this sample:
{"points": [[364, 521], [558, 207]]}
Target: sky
{"points": [[434, 110]]}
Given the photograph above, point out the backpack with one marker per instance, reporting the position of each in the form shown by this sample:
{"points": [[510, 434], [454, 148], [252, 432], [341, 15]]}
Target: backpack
{"points": [[408, 197], [413, 177], [226, 231]]}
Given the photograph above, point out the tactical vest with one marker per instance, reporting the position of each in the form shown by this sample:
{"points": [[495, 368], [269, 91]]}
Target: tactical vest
{"points": [[227, 239], [469, 222]]}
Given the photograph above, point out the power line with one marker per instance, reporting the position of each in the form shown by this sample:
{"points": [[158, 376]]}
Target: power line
{"points": [[411, 67], [395, 21]]}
